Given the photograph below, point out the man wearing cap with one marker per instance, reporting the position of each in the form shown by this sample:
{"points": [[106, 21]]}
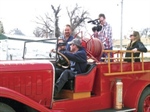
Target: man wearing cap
{"points": [[78, 61]]}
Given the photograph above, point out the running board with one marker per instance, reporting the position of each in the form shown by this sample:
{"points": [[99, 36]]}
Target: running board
{"points": [[115, 110]]}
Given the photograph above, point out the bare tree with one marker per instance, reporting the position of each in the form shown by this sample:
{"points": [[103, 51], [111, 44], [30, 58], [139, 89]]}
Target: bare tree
{"points": [[145, 32], [56, 12], [77, 17], [1, 27], [48, 24], [38, 32]]}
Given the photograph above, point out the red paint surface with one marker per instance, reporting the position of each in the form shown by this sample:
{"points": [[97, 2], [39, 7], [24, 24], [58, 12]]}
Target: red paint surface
{"points": [[32, 84]]}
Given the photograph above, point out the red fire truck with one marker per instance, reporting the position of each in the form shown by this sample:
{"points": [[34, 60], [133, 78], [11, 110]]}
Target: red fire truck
{"points": [[28, 85]]}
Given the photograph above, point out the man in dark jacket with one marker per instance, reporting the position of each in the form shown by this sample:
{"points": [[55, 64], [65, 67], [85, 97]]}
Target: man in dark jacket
{"points": [[78, 60]]}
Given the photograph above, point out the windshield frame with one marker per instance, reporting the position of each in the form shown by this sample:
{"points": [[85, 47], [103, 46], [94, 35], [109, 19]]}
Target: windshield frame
{"points": [[44, 41]]}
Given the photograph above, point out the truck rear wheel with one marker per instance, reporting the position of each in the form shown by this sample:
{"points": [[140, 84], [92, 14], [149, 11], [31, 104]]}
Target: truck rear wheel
{"points": [[6, 108], [144, 102]]}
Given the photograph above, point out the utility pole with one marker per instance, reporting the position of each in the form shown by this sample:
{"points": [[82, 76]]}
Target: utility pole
{"points": [[121, 25]]}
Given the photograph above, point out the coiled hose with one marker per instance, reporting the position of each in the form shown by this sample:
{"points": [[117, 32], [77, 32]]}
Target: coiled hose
{"points": [[93, 47]]}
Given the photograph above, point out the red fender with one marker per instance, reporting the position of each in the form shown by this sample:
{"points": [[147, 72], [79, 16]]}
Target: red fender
{"points": [[133, 93], [8, 93]]}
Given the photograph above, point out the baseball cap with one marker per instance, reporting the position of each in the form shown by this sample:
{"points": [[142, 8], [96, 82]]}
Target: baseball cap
{"points": [[76, 41]]}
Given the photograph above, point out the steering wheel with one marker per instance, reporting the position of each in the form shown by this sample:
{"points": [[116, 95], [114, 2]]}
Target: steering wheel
{"points": [[62, 61]]}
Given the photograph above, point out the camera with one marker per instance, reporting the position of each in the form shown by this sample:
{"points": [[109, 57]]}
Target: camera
{"points": [[62, 44], [96, 22], [97, 28]]}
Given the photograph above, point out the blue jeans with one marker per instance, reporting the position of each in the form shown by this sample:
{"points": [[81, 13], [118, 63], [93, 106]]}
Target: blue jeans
{"points": [[64, 77]]}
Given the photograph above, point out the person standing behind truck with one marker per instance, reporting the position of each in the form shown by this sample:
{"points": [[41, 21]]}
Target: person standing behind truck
{"points": [[135, 45], [105, 35], [67, 36]]}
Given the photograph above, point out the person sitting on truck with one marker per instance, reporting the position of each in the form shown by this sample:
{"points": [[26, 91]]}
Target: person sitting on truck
{"points": [[135, 45], [78, 60], [61, 47]]}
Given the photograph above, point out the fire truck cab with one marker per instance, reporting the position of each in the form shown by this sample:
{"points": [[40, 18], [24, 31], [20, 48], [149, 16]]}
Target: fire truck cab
{"points": [[28, 85]]}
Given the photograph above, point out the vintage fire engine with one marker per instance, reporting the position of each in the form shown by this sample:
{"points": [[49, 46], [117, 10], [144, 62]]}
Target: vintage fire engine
{"points": [[110, 86]]}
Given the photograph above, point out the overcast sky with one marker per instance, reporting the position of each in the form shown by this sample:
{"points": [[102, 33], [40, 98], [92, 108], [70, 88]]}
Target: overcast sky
{"points": [[22, 13]]}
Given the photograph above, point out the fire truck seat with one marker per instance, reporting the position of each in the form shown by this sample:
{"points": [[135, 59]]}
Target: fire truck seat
{"points": [[82, 82]]}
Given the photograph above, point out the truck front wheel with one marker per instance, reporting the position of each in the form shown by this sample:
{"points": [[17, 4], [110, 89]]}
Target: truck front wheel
{"points": [[144, 102], [6, 108]]}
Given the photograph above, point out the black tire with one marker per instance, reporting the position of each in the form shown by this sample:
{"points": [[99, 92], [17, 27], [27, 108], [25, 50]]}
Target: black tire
{"points": [[6, 108], [29, 109], [143, 97]]}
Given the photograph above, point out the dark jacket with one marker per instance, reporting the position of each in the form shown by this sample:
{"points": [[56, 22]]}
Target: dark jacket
{"points": [[140, 47], [78, 60], [61, 60], [68, 40], [68, 46]]}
